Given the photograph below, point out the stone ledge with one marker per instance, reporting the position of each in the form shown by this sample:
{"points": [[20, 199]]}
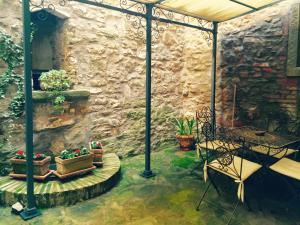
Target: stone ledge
{"points": [[57, 193], [43, 96]]}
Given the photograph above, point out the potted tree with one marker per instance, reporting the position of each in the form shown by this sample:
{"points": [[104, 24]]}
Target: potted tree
{"points": [[74, 162], [41, 164], [184, 134], [96, 149]]}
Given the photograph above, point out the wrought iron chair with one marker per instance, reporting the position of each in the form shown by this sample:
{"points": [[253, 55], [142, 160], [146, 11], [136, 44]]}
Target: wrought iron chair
{"points": [[288, 170], [273, 151], [226, 161], [205, 132]]}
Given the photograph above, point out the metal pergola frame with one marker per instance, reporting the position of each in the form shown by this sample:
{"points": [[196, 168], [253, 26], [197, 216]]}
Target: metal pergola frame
{"points": [[31, 210]]}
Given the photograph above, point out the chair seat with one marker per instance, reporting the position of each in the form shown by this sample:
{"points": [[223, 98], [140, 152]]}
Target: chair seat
{"points": [[233, 170], [287, 167], [212, 145], [265, 150]]}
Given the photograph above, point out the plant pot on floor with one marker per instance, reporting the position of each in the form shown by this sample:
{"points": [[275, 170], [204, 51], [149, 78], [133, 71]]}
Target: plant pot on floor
{"points": [[96, 149], [40, 167], [186, 142], [184, 134]]}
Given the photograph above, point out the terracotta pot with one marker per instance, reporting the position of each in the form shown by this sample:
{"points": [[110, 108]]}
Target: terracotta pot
{"points": [[65, 166], [97, 153], [40, 167], [186, 142]]}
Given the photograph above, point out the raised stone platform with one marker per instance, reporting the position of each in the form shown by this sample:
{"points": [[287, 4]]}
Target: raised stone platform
{"points": [[54, 192]]}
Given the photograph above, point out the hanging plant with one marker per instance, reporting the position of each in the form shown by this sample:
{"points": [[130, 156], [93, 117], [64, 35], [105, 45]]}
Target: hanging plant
{"points": [[55, 82], [12, 55]]}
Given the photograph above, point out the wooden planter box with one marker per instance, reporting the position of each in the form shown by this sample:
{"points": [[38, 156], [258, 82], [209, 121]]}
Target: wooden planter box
{"points": [[68, 166], [41, 167], [97, 154]]}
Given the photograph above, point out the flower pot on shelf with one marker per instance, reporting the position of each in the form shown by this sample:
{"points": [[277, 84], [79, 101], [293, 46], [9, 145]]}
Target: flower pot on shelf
{"points": [[69, 166], [186, 142], [96, 149]]}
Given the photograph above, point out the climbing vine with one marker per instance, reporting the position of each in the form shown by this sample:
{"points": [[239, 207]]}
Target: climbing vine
{"points": [[12, 55]]}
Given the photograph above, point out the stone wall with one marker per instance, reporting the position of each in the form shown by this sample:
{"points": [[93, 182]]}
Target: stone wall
{"points": [[108, 60], [253, 57], [101, 54]]}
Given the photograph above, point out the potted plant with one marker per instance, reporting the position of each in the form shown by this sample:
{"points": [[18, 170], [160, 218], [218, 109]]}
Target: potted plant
{"points": [[71, 161], [96, 149], [184, 134], [41, 163], [55, 82]]}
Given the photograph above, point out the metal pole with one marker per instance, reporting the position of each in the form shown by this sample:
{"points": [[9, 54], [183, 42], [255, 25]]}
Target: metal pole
{"points": [[214, 72], [31, 211], [147, 172]]}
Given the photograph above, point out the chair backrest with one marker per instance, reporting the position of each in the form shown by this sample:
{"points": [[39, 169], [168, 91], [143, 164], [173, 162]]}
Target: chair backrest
{"points": [[277, 152], [203, 124], [224, 150], [267, 154]]}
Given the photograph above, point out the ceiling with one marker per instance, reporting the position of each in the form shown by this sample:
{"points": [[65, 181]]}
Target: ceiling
{"points": [[212, 10]]}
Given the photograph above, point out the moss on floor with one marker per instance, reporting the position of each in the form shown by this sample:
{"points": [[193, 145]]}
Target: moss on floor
{"points": [[167, 199]]}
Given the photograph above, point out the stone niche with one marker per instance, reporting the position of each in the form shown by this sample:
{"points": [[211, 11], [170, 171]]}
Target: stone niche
{"points": [[47, 49], [53, 133]]}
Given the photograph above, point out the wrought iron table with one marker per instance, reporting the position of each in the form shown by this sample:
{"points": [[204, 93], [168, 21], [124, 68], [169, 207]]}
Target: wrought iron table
{"points": [[266, 138]]}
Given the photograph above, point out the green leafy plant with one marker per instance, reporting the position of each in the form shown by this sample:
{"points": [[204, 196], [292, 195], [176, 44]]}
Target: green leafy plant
{"points": [[36, 156], [67, 154], [20, 154], [39, 156], [12, 55], [55, 81], [96, 145], [190, 125], [185, 126], [180, 125], [70, 154]]}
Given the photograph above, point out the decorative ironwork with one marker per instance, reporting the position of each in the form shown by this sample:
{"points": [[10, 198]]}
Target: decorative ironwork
{"points": [[224, 157], [224, 151], [45, 4], [173, 16], [207, 36], [204, 128], [197, 21], [137, 22], [158, 28], [207, 131], [204, 115], [36, 5]]}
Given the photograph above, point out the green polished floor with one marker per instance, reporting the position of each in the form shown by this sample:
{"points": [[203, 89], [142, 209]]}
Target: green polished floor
{"points": [[169, 198]]}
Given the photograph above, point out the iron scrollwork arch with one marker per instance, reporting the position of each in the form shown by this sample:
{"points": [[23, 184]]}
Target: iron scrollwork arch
{"points": [[158, 28], [36, 5], [45, 4], [207, 36], [137, 22]]}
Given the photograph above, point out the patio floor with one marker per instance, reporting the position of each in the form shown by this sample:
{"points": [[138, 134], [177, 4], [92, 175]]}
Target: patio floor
{"points": [[169, 199]]}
